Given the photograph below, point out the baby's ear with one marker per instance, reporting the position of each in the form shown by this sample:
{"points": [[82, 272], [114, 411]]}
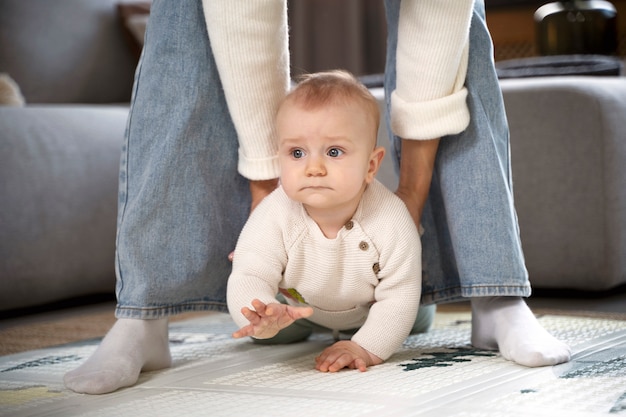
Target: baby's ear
{"points": [[376, 158]]}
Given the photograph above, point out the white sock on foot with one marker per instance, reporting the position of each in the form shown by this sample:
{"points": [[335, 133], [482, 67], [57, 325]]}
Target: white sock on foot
{"points": [[131, 346], [507, 324]]}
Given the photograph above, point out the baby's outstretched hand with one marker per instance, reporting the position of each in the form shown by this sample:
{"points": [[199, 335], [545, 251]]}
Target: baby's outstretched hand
{"points": [[345, 354], [266, 320]]}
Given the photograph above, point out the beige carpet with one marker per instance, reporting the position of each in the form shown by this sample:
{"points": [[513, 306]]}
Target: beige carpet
{"points": [[47, 333], [55, 332]]}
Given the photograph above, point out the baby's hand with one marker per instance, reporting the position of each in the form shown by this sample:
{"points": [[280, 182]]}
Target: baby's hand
{"points": [[345, 354], [266, 320]]}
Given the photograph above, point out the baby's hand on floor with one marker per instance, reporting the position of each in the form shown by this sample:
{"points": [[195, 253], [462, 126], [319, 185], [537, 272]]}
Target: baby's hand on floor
{"points": [[266, 320], [345, 354]]}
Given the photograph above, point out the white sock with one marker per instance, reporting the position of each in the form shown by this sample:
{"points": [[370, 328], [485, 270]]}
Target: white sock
{"points": [[131, 346], [508, 325]]}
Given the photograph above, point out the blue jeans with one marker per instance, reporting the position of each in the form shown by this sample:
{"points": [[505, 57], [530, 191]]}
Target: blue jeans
{"points": [[471, 244], [182, 203]]}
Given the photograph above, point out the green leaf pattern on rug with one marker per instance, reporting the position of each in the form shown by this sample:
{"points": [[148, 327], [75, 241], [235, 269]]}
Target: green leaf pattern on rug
{"points": [[442, 359], [620, 405], [615, 367], [48, 360]]}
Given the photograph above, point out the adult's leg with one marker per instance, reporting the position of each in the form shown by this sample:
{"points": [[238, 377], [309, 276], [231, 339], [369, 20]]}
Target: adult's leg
{"points": [[181, 201], [471, 245]]}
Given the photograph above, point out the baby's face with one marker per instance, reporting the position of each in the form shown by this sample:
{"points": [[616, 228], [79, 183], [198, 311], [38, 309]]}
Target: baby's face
{"points": [[325, 154]]}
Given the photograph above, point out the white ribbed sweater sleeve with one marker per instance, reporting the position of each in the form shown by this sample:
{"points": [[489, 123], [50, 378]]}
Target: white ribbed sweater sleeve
{"points": [[431, 64], [250, 45]]}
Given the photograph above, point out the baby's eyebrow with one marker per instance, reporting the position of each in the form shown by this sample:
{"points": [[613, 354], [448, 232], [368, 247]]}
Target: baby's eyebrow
{"points": [[328, 141], [290, 141], [338, 141], [339, 138]]}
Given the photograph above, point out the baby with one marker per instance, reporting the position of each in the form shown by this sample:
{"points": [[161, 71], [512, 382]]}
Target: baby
{"points": [[331, 246]]}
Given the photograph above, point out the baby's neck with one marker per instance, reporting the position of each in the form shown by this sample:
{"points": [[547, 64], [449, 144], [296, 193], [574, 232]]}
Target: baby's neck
{"points": [[331, 230], [331, 222]]}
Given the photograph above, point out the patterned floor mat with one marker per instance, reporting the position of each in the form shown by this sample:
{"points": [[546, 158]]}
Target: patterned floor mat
{"points": [[434, 374]]}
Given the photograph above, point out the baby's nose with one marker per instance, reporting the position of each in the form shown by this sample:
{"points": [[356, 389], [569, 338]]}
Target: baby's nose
{"points": [[315, 167]]}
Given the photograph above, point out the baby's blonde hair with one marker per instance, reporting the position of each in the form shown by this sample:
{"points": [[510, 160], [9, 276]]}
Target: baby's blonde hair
{"points": [[333, 87]]}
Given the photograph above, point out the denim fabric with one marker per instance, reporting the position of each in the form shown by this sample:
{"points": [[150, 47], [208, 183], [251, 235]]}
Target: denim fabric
{"points": [[471, 244], [182, 203]]}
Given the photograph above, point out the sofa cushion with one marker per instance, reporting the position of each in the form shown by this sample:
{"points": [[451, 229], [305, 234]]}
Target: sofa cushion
{"points": [[66, 51], [59, 168], [568, 152]]}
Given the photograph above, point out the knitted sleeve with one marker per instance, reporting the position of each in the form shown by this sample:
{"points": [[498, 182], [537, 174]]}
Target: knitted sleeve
{"points": [[431, 63], [259, 258], [397, 295], [249, 42]]}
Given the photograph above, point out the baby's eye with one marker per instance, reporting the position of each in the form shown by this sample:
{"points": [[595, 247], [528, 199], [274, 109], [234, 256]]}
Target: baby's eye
{"points": [[334, 152], [297, 153]]}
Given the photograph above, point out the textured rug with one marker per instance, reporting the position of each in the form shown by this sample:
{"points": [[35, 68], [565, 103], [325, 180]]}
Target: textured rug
{"points": [[46, 332], [434, 374]]}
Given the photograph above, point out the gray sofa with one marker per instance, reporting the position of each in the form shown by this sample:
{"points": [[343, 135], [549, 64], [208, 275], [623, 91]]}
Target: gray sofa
{"points": [[568, 151], [60, 153], [60, 158], [568, 158]]}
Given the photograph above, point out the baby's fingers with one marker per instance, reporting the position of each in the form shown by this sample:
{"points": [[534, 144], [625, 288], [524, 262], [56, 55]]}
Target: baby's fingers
{"points": [[335, 362], [260, 307], [359, 364], [300, 312], [251, 315], [244, 332]]}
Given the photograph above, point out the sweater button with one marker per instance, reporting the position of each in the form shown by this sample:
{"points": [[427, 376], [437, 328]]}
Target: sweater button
{"points": [[363, 245], [349, 225], [376, 268]]}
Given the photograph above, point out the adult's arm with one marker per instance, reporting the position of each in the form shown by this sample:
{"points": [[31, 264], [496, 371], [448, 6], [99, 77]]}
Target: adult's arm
{"points": [[250, 45], [431, 64], [430, 98]]}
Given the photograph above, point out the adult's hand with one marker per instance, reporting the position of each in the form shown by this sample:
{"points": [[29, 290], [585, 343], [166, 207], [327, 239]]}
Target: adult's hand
{"points": [[416, 170], [258, 191], [261, 189]]}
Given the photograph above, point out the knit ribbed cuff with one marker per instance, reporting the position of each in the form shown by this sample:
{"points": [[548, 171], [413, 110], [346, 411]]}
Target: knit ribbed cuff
{"points": [[430, 119], [258, 169]]}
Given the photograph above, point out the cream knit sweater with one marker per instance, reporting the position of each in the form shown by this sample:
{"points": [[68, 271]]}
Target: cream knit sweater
{"points": [[249, 41], [368, 277]]}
